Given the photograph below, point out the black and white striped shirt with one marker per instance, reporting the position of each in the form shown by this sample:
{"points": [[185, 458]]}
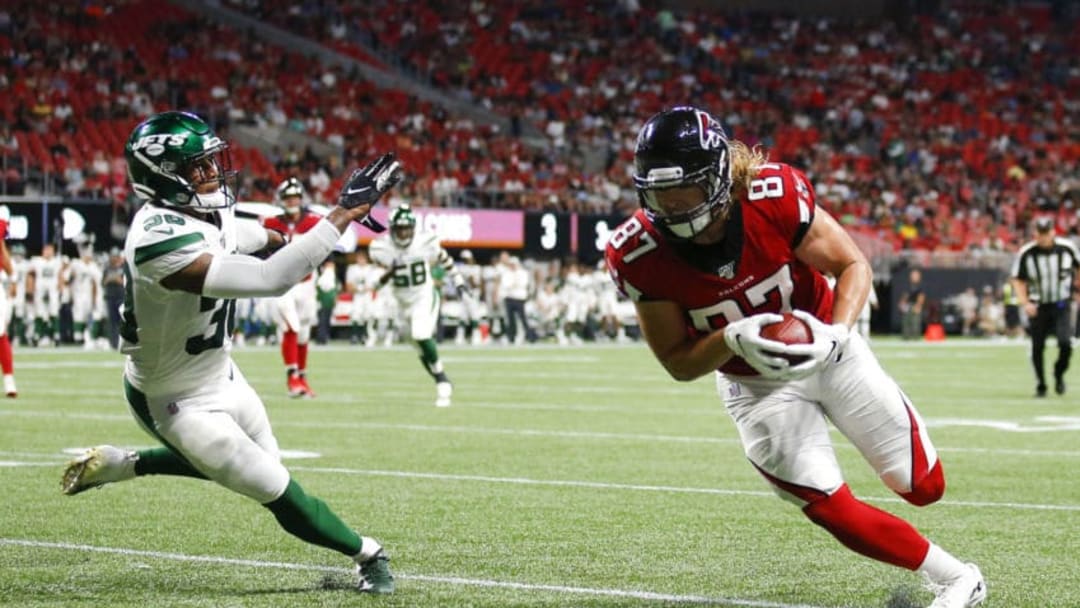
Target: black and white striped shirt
{"points": [[1049, 273]]}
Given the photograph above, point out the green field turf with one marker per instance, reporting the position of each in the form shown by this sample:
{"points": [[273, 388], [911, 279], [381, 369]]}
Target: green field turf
{"points": [[560, 477]]}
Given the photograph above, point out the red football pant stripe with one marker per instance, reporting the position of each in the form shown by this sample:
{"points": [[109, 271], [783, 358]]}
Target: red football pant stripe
{"points": [[927, 486]]}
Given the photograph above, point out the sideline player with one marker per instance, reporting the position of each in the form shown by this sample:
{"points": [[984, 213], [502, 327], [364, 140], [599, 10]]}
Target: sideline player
{"points": [[295, 312]]}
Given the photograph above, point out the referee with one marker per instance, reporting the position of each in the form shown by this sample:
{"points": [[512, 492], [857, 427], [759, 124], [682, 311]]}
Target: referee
{"points": [[1044, 275]]}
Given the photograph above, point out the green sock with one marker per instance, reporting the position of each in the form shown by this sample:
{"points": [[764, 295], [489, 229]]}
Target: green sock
{"points": [[163, 461], [429, 356], [310, 520]]}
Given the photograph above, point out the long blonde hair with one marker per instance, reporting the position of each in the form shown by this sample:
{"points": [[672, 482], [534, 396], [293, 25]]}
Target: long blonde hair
{"points": [[745, 161]]}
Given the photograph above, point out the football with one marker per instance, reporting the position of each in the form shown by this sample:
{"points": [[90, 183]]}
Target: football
{"points": [[790, 330]]}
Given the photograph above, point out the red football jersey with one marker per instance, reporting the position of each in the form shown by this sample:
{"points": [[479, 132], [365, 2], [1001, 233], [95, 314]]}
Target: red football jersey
{"points": [[753, 270], [287, 226]]}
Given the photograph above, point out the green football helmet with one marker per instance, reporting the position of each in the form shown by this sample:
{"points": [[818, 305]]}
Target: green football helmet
{"points": [[402, 225], [167, 150]]}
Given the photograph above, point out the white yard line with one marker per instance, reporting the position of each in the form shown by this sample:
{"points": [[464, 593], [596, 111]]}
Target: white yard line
{"points": [[649, 488], [599, 485], [446, 580]]}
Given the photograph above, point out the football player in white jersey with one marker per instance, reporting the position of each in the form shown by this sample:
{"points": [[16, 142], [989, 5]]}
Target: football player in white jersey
{"points": [[408, 256], [43, 282], [84, 284], [185, 267], [19, 307], [473, 309], [362, 280], [577, 294]]}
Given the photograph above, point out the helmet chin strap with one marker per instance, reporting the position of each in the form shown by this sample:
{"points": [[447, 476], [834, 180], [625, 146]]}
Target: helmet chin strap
{"points": [[206, 203]]}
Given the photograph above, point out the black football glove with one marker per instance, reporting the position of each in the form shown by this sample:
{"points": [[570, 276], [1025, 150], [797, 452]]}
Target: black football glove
{"points": [[366, 185]]}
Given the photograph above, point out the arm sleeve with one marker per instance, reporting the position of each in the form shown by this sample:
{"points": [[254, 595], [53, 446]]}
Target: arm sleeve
{"points": [[241, 276], [250, 236]]}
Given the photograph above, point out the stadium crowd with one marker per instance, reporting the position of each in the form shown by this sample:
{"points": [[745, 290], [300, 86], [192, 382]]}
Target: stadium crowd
{"points": [[923, 133]]}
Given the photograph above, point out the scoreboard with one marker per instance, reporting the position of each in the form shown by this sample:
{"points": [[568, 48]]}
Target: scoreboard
{"points": [[550, 234]]}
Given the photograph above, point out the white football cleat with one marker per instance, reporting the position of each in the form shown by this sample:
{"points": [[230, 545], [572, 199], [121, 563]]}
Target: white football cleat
{"points": [[97, 467], [9, 386], [443, 392], [964, 591]]}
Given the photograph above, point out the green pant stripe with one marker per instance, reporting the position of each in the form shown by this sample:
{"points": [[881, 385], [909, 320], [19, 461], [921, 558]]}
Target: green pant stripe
{"points": [[156, 461], [141, 409]]}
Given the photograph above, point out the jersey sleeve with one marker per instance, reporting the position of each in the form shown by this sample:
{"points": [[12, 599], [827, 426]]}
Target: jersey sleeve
{"points": [[250, 236], [787, 198], [633, 255], [380, 253], [274, 223], [160, 253]]}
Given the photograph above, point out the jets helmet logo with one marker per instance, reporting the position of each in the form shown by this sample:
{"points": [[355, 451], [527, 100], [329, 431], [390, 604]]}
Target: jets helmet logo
{"points": [[154, 145]]}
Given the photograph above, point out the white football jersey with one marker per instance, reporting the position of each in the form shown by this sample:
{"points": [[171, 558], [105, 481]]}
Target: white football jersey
{"points": [[414, 262], [364, 279], [85, 278], [46, 273], [176, 341]]}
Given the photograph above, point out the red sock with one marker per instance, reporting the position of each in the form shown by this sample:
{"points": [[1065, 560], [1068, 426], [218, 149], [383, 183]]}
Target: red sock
{"points": [[869, 530], [7, 364], [288, 349], [301, 357]]}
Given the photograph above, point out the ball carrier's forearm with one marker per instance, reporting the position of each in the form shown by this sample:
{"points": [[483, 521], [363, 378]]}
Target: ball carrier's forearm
{"points": [[853, 286]]}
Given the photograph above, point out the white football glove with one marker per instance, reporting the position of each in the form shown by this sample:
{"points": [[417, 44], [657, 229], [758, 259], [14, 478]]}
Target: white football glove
{"points": [[744, 339], [828, 341]]}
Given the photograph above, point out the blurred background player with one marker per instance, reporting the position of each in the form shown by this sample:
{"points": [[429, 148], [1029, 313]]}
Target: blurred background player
{"points": [[84, 283], [409, 255], [326, 292], [294, 312], [514, 287], [112, 286], [43, 282], [362, 281], [578, 298], [472, 307], [18, 329], [7, 293]]}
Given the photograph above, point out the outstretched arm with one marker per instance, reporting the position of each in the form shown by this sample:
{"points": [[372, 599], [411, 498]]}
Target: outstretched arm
{"points": [[232, 276]]}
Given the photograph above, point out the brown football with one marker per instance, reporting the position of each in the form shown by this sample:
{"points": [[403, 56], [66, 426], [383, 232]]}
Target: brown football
{"points": [[791, 330]]}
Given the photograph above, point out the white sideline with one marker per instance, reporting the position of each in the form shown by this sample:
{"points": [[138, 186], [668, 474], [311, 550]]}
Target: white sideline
{"points": [[450, 580]]}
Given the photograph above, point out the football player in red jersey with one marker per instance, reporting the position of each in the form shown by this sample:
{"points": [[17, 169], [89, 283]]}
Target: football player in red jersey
{"points": [[295, 312], [723, 243]]}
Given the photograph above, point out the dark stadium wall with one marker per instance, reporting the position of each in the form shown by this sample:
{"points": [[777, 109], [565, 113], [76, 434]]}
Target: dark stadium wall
{"points": [[939, 284]]}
